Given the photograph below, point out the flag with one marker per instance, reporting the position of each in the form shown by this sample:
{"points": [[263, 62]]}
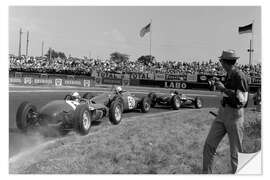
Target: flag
{"points": [[245, 29], [145, 30]]}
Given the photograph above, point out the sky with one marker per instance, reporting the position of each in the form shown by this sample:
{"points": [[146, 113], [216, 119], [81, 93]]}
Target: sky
{"points": [[180, 33]]}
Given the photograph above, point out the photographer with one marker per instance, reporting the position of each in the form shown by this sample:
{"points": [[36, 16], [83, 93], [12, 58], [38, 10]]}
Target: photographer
{"points": [[230, 116]]}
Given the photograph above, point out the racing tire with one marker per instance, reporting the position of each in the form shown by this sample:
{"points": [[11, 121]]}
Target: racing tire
{"points": [[82, 118], [115, 113], [88, 95], [145, 105], [176, 102], [118, 99], [153, 98], [198, 103], [23, 116]]}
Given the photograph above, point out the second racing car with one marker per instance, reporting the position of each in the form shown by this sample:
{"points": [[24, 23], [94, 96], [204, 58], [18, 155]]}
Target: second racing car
{"points": [[127, 100]]}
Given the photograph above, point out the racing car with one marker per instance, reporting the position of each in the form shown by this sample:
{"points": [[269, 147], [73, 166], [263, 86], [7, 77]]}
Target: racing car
{"points": [[127, 100], [71, 113], [175, 100]]}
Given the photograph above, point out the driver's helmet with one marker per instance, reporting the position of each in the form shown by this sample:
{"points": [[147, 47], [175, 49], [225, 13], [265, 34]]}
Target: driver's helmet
{"points": [[76, 96], [118, 89]]}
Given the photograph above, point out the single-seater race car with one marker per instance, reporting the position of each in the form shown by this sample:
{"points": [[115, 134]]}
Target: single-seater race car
{"points": [[71, 113], [127, 100], [175, 100]]}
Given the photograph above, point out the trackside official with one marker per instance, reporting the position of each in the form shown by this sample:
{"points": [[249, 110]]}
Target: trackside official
{"points": [[230, 116]]}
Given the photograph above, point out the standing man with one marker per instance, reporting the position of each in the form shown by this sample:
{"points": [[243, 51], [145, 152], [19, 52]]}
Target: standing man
{"points": [[230, 116]]}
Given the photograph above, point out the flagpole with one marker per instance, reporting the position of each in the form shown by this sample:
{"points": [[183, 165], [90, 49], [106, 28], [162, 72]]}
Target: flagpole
{"points": [[252, 40], [251, 45], [150, 36]]}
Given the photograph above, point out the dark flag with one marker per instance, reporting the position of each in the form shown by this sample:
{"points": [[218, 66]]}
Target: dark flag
{"points": [[145, 30], [245, 29]]}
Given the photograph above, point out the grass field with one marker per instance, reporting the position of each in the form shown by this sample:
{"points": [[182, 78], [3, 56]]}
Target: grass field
{"points": [[164, 144]]}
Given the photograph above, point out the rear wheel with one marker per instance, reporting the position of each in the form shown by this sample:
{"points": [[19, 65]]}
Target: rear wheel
{"points": [[176, 102], [115, 112], [25, 116], [153, 99], [198, 103], [82, 119], [145, 105]]}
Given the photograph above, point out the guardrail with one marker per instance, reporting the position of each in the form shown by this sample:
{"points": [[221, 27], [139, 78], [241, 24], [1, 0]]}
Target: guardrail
{"points": [[175, 81]]}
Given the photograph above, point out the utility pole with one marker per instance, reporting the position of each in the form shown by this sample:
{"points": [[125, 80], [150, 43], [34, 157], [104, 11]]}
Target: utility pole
{"points": [[50, 51], [42, 47], [27, 43], [20, 41]]}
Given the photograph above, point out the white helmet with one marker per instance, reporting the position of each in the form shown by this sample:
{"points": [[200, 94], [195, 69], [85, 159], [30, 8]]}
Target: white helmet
{"points": [[119, 89], [76, 95]]}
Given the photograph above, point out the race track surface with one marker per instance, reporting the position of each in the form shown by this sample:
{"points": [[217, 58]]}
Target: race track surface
{"points": [[39, 96]]}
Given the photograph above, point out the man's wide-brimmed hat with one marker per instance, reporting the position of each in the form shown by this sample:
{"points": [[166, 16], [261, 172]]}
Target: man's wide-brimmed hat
{"points": [[228, 55]]}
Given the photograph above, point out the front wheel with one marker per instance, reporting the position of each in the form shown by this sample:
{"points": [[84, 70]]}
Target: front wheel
{"points": [[145, 105], [82, 119], [25, 117], [176, 102], [198, 103], [115, 112]]}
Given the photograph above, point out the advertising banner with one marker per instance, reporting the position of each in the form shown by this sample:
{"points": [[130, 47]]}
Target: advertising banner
{"points": [[86, 83], [15, 80], [175, 77], [111, 81], [58, 82], [98, 80], [125, 76], [175, 84], [70, 82], [255, 80], [18, 74], [27, 80], [159, 77], [108, 75], [205, 78], [125, 82], [192, 77], [149, 76], [42, 81]]}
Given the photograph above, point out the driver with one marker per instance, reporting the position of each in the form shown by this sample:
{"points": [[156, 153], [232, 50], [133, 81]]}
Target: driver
{"points": [[76, 96], [119, 89]]}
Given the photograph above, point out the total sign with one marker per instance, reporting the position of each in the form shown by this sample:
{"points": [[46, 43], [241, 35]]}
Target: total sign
{"points": [[175, 85], [86, 83]]}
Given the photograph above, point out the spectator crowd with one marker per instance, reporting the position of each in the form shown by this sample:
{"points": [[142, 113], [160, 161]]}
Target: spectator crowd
{"points": [[77, 66]]}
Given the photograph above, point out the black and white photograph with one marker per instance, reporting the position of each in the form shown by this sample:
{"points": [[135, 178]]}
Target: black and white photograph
{"points": [[134, 89]]}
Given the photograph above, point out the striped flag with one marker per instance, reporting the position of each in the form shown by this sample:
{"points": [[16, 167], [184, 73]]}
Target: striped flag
{"points": [[245, 29], [145, 30]]}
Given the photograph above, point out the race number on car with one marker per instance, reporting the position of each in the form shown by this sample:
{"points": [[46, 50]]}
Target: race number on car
{"points": [[131, 102]]}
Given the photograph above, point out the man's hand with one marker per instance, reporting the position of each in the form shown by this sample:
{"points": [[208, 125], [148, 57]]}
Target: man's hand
{"points": [[220, 86]]}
